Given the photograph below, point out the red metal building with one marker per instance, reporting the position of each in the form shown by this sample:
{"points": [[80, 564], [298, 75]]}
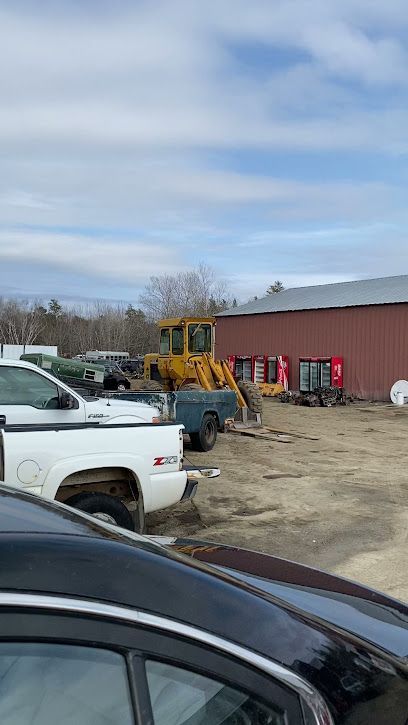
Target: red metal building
{"points": [[357, 331]]}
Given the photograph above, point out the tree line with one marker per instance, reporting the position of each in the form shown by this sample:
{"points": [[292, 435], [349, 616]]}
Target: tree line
{"points": [[98, 326], [105, 326]]}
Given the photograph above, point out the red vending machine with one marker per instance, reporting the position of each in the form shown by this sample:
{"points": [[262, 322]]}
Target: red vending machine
{"points": [[320, 372], [276, 370], [241, 366], [261, 368]]}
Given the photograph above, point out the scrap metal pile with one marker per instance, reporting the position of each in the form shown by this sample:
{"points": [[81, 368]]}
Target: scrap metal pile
{"points": [[324, 397]]}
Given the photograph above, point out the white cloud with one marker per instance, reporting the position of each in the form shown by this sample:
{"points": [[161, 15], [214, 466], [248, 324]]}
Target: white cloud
{"points": [[128, 119], [132, 261], [145, 79], [24, 200]]}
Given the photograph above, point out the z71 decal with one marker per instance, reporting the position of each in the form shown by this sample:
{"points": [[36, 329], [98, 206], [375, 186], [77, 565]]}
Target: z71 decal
{"points": [[165, 460]]}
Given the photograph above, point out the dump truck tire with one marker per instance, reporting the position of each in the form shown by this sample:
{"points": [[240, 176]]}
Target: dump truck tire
{"points": [[252, 395], [152, 385], [104, 507], [205, 439]]}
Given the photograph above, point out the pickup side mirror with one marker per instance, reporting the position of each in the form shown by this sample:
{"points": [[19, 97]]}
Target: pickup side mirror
{"points": [[67, 401]]}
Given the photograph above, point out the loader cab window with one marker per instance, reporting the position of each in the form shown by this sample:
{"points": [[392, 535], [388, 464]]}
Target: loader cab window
{"points": [[199, 338], [177, 340], [164, 341]]}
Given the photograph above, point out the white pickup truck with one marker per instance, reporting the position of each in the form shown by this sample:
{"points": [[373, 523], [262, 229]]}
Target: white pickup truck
{"points": [[30, 395], [117, 473]]}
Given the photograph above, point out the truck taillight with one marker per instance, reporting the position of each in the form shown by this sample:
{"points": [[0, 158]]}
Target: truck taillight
{"points": [[155, 419], [181, 449]]}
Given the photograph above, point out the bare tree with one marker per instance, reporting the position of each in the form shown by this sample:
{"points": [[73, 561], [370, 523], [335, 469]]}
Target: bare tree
{"points": [[20, 324], [197, 292]]}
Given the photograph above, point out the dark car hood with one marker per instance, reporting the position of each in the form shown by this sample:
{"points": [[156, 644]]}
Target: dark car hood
{"points": [[352, 607]]}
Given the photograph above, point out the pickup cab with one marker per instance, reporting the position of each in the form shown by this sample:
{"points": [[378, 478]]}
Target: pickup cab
{"points": [[30, 395], [116, 473]]}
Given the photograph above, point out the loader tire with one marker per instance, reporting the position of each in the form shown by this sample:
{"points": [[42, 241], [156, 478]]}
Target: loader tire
{"points": [[205, 439], [252, 395], [152, 385], [104, 507]]}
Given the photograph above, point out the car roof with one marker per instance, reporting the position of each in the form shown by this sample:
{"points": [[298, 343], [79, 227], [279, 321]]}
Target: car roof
{"points": [[4, 361], [47, 547]]}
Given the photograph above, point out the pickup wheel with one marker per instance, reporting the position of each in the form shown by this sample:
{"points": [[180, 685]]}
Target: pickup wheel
{"points": [[205, 439], [106, 508]]}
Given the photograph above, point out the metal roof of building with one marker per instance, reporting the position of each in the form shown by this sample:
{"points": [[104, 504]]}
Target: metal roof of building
{"points": [[382, 291]]}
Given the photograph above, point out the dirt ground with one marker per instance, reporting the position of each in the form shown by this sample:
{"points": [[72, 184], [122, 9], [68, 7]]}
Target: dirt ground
{"points": [[335, 498]]}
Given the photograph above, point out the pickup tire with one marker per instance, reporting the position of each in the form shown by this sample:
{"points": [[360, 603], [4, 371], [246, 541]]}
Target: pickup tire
{"points": [[205, 439], [104, 507]]}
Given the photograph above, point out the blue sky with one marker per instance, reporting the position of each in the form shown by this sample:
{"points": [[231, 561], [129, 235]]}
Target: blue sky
{"points": [[268, 139]]}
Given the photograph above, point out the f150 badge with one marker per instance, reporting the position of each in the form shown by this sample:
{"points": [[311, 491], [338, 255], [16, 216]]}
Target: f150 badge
{"points": [[165, 460]]}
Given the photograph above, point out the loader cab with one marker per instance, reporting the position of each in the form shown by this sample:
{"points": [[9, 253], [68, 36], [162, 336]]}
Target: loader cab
{"points": [[186, 337], [182, 341]]}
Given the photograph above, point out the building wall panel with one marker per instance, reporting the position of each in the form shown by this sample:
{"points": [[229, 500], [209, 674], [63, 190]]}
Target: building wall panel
{"points": [[373, 341]]}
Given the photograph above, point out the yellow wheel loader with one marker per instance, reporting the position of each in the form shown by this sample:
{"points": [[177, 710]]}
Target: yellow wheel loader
{"points": [[186, 362]]}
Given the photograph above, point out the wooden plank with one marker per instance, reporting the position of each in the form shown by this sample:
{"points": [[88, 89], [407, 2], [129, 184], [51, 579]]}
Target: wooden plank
{"points": [[293, 434]]}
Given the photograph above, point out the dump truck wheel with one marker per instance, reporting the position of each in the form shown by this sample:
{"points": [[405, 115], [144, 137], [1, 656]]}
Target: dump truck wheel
{"points": [[103, 507], [192, 386], [151, 385], [205, 439], [252, 395]]}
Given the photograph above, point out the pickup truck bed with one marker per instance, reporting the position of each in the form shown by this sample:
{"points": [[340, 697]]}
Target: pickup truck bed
{"points": [[190, 408]]}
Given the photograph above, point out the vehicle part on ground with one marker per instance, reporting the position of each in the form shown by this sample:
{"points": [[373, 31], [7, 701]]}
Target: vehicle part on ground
{"points": [[271, 390], [186, 356], [286, 396], [205, 439], [324, 397]]}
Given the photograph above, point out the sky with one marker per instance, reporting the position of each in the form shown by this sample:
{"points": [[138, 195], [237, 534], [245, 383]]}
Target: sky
{"points": [[268, 139]]}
